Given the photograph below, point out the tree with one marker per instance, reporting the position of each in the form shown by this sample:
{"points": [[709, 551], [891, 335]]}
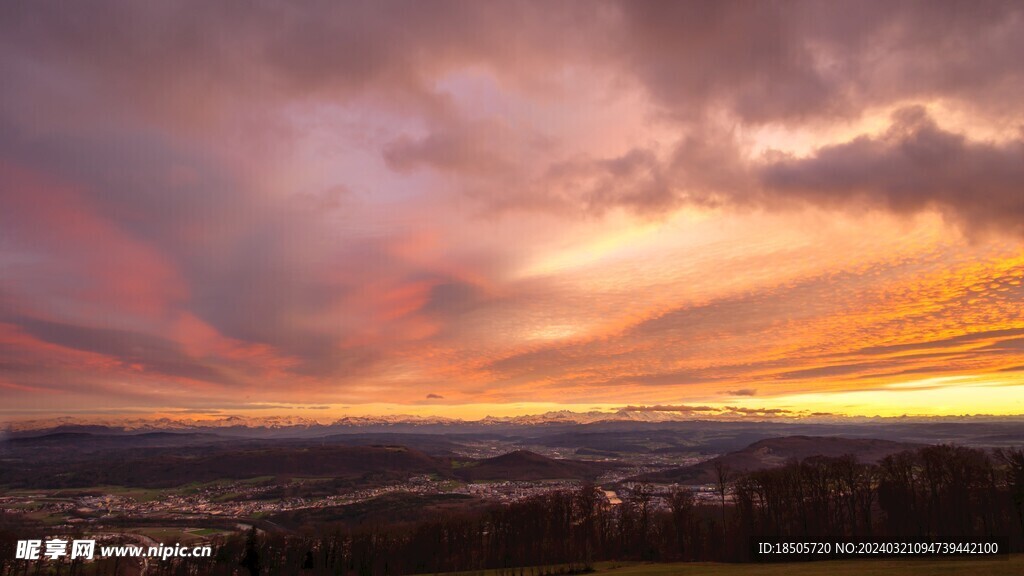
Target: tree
{"points": [[251, 556], [641, 499], [1013, 459], [682, 504], [723, 475]]}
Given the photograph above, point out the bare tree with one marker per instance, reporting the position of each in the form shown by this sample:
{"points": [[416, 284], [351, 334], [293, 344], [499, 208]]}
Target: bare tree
{"points": [[723, 476], [1013, 459], [682, 504]]}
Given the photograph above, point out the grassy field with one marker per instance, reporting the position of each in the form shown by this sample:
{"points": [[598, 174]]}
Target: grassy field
{"points": [[946, 567], [138, 494], [167, 534], [207, 531]]}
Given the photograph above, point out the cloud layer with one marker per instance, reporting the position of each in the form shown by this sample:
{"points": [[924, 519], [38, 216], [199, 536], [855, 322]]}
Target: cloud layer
{"points": [[621, 202]]}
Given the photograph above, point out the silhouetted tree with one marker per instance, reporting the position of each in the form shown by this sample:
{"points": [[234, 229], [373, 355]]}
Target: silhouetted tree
{"points": [[723, 476], [1013, 460], [251, 556], [682, 504]]}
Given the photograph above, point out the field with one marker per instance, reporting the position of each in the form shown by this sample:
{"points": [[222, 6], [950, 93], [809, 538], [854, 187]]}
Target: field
{"points": [[168, 534], [1014, 566]]}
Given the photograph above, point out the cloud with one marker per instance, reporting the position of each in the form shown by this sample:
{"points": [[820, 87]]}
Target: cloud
{"points": [[741, 392], [666, 378], [726, 410], [634, 180], [914, 165], [670, 408], [434, 397], [760, 411], [131, 348], [951, 342], [450, 298], [805, 60], [761, 68], [180, 60], [797, 65], [342, 199], [478, 149], [826, 371]]}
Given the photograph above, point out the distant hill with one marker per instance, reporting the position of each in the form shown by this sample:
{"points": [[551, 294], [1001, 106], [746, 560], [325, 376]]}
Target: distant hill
{"points": [[89, 440], [523, 465], [774, 452], [363, 463], [624, 433], [67, 448]]}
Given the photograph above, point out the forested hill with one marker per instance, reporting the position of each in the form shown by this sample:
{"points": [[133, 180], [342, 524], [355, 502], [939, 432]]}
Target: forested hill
{"points": [[774, 452]]}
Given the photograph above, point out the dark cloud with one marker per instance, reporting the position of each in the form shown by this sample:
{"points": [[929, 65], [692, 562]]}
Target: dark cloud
{"points": [[768, 61], [762, 63], [826, 371], [908, 371], [1008, 346], [477, 149], [447, 299], [741, 392], [754, 59], [635, 180], [760, 411], [434, 397], [197, 60], [913, 166], [151, 353], [950, 342]]}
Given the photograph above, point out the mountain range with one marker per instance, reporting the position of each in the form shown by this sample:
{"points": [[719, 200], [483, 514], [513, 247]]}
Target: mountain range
{"points": [[306, 426]]}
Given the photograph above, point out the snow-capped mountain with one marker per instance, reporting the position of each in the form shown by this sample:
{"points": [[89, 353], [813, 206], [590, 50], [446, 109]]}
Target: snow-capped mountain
{"points": [[301, 425]]}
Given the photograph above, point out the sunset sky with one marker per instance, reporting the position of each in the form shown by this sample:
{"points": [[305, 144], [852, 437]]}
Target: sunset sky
{"points": [[471, 208]]}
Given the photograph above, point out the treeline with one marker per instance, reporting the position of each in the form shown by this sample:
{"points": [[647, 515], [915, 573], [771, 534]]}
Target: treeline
{"points": [[936, 493], [939, 493]]}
